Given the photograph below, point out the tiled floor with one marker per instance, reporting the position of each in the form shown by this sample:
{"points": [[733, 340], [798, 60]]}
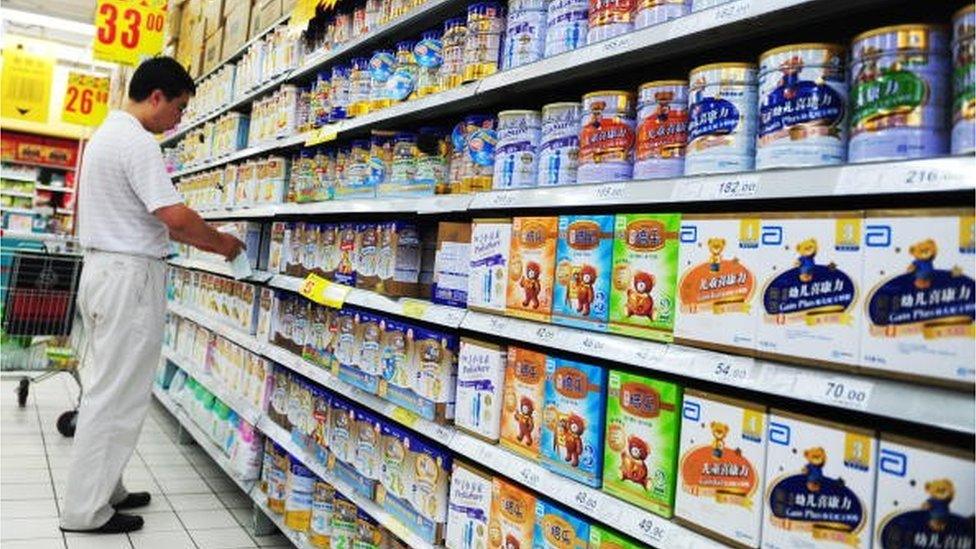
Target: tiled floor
{"points": [[193, 504]]}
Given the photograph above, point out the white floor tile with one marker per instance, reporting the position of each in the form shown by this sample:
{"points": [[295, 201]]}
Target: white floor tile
{"points": [[199, 520], [222, 538], [11, 475], [98, 541], [274, 540], [161, 540], [164, 521], [48, 543], [223, 484], [244, 517], [235, 500], [28, 528], [183, 486], [195, 502], [164, 460], [175, 471], [12, 495], [30, 508]]}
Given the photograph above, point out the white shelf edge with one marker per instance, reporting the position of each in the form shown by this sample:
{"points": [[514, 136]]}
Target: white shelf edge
{"points": [[44, 237], [928, 405], [442, 315], [17, 177], [68, 190], [18, 194], [254, 150], [222, 269], [24, 211]]}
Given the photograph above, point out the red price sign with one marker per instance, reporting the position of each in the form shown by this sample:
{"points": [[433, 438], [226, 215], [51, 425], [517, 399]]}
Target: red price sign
{"points": [[85, 100], [128, 30]]}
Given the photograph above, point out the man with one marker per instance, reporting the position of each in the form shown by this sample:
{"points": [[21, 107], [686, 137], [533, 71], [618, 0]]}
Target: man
{"points": [[128, 211]]}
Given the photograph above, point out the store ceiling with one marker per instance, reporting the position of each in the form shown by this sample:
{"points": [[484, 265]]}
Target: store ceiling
{"points": [[76, 10]]}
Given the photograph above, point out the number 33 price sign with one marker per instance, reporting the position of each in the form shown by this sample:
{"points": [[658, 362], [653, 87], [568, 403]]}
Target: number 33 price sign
{"points": [[129, 30], [85, 100]]}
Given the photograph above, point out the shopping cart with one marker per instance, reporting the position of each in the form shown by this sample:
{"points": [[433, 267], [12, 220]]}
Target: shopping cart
{"points": [[38, 318]]}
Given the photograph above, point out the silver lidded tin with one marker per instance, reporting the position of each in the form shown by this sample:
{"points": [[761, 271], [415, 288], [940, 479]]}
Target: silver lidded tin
{"points": [[559, 147], [721, 118], [607, 136], [516, 153], [662, 129], [802, 106]]}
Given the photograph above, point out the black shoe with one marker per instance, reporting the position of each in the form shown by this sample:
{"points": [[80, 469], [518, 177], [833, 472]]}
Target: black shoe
{"points": [[120, 523], [133, 501]]}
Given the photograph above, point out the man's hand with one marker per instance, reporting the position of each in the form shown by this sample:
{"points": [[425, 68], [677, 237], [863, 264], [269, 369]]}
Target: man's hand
{"points": [[229, 246]]}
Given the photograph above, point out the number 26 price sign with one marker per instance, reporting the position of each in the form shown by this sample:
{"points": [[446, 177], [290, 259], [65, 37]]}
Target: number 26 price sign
{"points": [[85, 100], [128, 31]]}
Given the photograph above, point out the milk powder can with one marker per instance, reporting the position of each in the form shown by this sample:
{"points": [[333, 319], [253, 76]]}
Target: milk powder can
{"points": [[516, 154], [559, 145], [802, 106], [486, 24], [721, 118], [606, 138], [566, 25], [381, 67], [964, 80], [403, 172], [359, 87], [899, 95], [429, 56], [525, 33], [609, 18], [339, 94], [655, 12], [662, 129], [480, 142], [454, 40], [403, 82], [432, 158]]}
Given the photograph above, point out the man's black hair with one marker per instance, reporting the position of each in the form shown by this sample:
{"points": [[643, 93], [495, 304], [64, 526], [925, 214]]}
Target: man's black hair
{"points": [[160, 73]]}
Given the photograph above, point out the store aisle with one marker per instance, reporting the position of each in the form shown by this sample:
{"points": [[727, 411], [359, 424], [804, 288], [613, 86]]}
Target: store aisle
{"points": [[194, 505]]}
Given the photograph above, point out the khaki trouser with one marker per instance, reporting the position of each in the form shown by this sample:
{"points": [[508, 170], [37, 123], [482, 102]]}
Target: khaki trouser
{"points": [[122, 299]]}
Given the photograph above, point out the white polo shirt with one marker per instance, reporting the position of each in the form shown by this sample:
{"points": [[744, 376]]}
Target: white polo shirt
{"points": [[123, 181]]}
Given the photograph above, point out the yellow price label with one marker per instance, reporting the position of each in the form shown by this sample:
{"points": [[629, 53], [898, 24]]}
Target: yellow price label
{"points": [[326, 133], [405, 417], [301, 14], [25, 92], [324, 292], [85, 99], [128, 31], [414, 308]]}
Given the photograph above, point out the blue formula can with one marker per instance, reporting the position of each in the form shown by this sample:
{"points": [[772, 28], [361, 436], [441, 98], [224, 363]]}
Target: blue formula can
{"points": [[559, 146], [525, 37], [721, 119], [655, 12], [964, 80], [899, 94], [662, 129], [516, 153], [607, 137], [566, 25], [802, 106]]}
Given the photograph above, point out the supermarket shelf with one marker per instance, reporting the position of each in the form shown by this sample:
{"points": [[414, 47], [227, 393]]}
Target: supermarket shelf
{"points": [[255, 212], [417, 309], [250, 414], [239, 52], [429, 204], [225, 330], [18, 177], [25, 211], [283, 438], [64, 211], [932, 406], [203, 440], [928, 175], [270, 146], [17, 194], [591, 502], [43, 237], [38, 165], [221, 460], [54, 189], [222, 269]]}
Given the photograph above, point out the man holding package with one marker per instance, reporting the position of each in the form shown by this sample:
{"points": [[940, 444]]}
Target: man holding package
{"points": [[128, 211]]}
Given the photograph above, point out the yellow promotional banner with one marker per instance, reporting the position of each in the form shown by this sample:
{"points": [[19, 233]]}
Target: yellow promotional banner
{"points": [[85, 100], [301, 14], [128, 31], [25, 85]]}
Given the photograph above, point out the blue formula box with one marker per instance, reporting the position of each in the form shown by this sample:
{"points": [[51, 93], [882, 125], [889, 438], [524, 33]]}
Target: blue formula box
{"points": [[436, 354], [573, 420], [557, 528], [584, 261], [345, 272], [414, 479]]}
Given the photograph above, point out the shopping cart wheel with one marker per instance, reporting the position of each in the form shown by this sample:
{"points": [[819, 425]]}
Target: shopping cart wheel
{"points": [[67, 422], [22, 391]]}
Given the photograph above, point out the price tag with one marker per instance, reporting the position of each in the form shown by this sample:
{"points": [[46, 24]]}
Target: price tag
{"points": [[545, 334], [326, 133], [529, 476], [687, 189], [616, 45], [651, 529], [497, 325], [610, 192], [405, 417], [414, 308], [585, 501], [499, 199], [590, 344], [128, 31], [324, 292], [742, 186], [730, 370], [839, 391], [25, 93], [733, 10]]}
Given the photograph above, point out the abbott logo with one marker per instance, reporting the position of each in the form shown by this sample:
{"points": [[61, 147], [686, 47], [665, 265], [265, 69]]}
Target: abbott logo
{"points": [[779, 433]]}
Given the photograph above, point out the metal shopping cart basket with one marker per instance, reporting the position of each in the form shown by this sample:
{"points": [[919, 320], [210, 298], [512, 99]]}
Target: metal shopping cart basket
{"points": [[38, 318]]}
